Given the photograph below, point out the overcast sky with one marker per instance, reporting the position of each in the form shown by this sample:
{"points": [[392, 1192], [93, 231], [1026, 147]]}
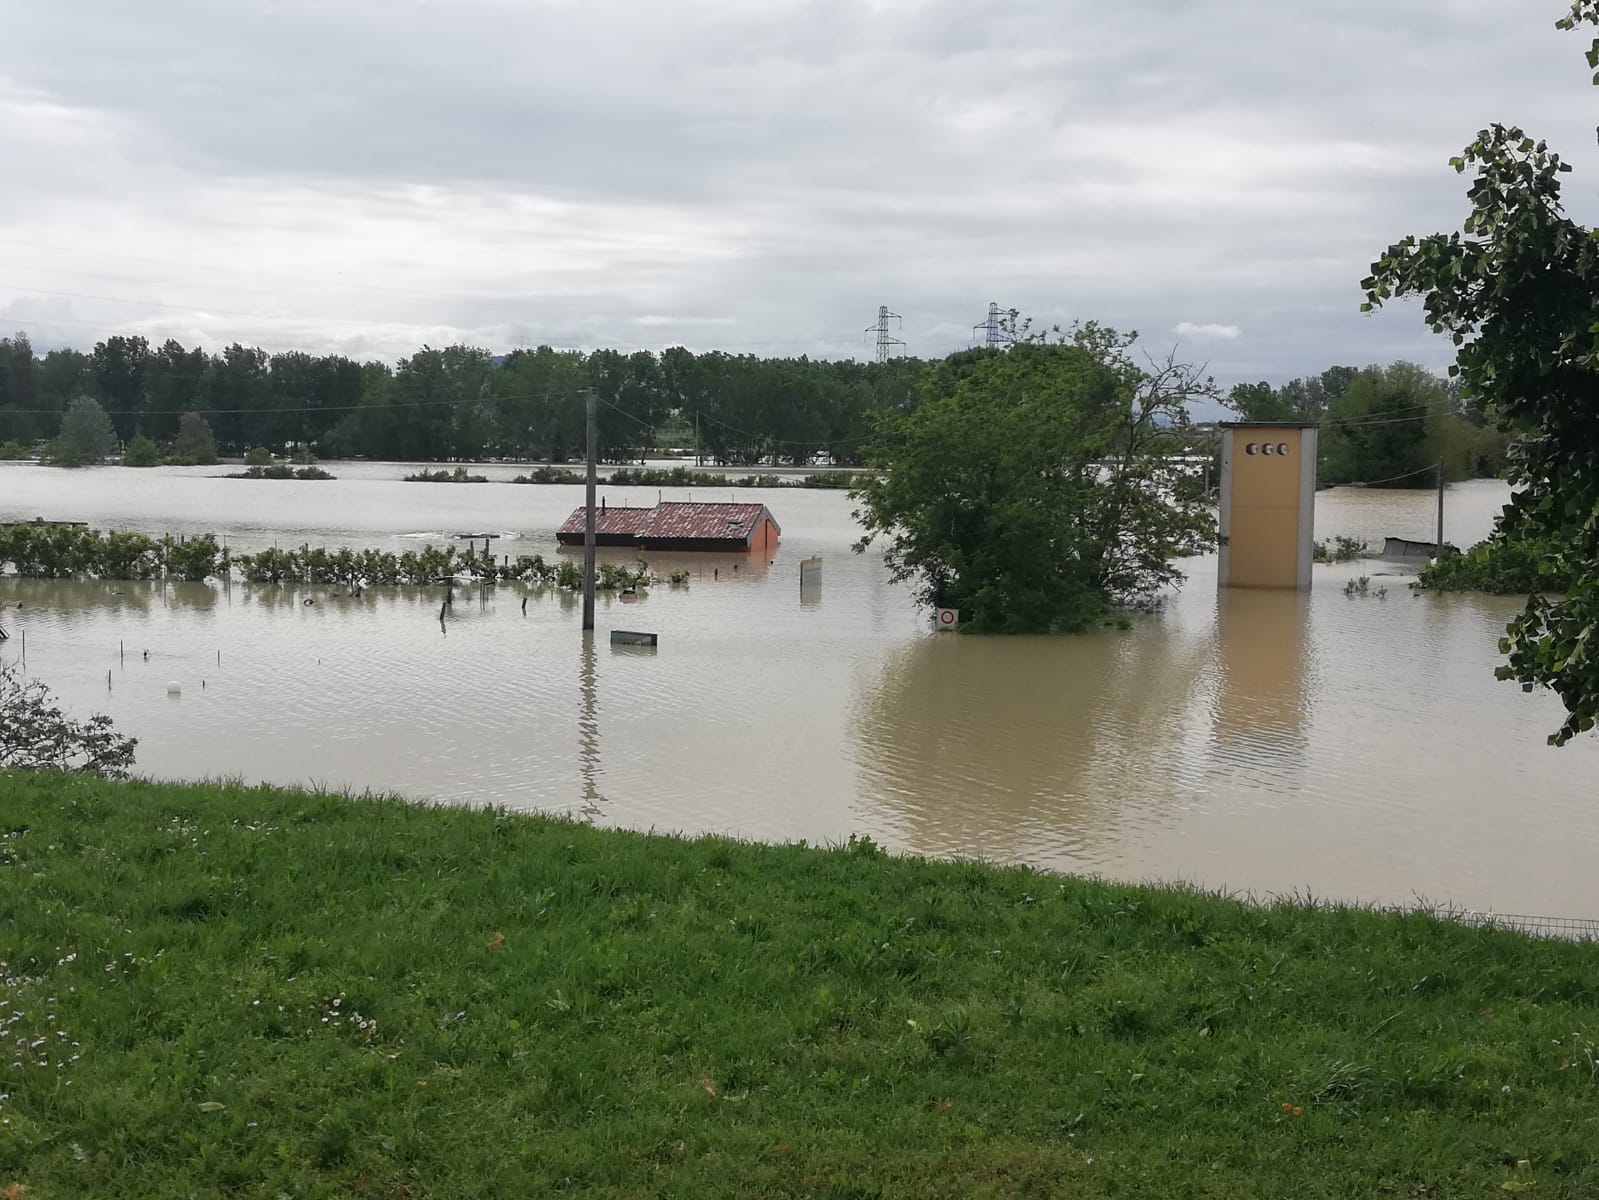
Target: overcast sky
{"points": [[754, 175]]}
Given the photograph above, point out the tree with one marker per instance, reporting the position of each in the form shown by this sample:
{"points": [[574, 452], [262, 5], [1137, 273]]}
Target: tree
{"points": [[19, 390], [172, 384], [1517, 289], [35, 735], [1380, 430], [119, 368], [194, 446], [1028, 490], [141, 452], [1261, 402], [87, 435]]}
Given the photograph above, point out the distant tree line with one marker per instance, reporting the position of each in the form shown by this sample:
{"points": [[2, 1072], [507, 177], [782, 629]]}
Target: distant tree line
{"points": [[1391, 424], [459, 403]]}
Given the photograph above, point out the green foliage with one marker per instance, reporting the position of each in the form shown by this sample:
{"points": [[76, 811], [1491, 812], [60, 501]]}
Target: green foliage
{"points": [[35, 735], [458, 475], [548, 474], [195, 446], [1377, 430], [38, 551], [832, 479], [679, 577], [614, 577], [1517, 289], [1380, 423], [282, 471], [141, 452], [302, 456], [13, 451], [258, 456], [351, 568], [1340, 549], [1306, 399], [283, 993], [568, 575], [686, 477], [195, 558], [86, 437], [1027, 490], [455, 404], [1503, 565], [122, 555]]}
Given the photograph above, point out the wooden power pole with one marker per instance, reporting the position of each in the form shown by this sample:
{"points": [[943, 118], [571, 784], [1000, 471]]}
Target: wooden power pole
{"points": [[1440, 509], [588, 525]]}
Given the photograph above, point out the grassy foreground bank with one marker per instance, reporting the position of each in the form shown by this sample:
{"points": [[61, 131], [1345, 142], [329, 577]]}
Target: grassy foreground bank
{"points": [[219, 991]]}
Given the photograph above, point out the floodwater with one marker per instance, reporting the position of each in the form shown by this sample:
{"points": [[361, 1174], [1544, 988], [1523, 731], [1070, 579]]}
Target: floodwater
{"points": [[1265, 742]]}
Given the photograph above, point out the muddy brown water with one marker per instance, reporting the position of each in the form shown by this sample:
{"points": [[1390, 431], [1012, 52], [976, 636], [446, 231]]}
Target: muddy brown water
{"points": [[1267, 742]]}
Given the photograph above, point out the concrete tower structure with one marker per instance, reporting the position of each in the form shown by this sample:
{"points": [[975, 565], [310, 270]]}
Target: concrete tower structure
{"points": [[1268, 504]]}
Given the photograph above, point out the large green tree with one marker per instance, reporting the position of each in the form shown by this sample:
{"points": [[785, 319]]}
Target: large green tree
{"points": [[1029, 488], [19, 391], [1379, 429], [120, 365], [1517, 289], [87, 435], [194, 446]]}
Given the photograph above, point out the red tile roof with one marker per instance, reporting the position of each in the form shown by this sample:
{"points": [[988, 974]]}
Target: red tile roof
{"points": [[675, 521], [613, 521], [686, 519]]}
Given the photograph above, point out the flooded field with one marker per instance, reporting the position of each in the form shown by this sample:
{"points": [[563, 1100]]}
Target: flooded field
{"points": [[1260, 741]]}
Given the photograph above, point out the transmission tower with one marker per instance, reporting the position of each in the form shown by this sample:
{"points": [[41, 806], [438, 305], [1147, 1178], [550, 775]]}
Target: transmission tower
{"points": [[883, 330], [993, 329]]}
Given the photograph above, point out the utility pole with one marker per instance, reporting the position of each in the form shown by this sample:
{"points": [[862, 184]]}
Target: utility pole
{"points": [[588, 525], [1440, 509], [883, 330]]}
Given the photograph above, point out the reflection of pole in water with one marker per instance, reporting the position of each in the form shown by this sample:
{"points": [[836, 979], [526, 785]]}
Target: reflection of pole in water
{"points": [[588, 730]]}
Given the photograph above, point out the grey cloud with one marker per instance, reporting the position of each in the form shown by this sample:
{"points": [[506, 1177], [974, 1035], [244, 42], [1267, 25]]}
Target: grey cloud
{"points": [[350, 173]]}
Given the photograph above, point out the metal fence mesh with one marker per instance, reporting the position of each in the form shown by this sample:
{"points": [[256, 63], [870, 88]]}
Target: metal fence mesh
{"points": [[1576, 929]]}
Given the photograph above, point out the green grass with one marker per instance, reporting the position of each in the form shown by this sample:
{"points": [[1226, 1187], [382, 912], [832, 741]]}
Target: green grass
{"points": [[262, 993]]}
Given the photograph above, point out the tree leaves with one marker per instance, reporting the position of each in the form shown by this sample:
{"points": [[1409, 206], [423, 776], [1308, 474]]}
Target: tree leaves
{"points": [[1030, 488], [35, 735], [1520, 297]]}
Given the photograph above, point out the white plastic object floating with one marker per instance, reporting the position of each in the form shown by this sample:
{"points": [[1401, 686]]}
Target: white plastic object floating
{"points": [[174, 688]]}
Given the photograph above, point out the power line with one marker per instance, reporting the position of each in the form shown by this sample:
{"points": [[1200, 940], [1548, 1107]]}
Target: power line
{"points": [[760, 437], [1430, 467]]}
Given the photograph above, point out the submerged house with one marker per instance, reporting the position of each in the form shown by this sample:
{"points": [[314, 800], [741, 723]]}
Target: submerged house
{"points": [[678, 525]]}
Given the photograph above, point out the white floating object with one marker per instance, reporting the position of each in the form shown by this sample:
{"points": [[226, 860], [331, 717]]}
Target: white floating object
{"points": [[174, 688]]}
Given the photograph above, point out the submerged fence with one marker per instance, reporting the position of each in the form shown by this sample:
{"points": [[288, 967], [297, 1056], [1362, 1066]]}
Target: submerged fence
{"points": [[1571, 929]]}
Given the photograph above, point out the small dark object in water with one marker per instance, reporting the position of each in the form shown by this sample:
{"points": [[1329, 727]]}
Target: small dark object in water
{"points": [[625, 637], [146, 656], [524, 606], [307, 602]]}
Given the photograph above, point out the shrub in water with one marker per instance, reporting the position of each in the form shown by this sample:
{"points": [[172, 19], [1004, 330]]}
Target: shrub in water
{"points": [[35, 735], [141, 452], [548, 474]]}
